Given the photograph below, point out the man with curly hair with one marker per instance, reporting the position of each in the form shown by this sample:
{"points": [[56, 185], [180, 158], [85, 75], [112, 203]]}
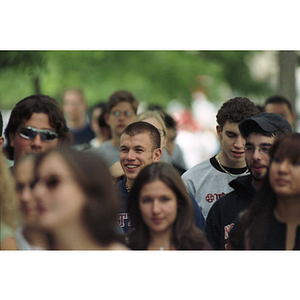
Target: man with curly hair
{"points": [[209, 180]]}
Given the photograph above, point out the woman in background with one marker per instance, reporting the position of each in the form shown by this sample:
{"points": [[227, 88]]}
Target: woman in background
{"points": [[29, 236], [76, 200], [272, 222], [161, 212], [10, 214]]}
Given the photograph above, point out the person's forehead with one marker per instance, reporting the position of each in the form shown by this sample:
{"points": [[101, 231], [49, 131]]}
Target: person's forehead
{"points": [[122, 106], [258, 138], [53, 164], [231, 126], [141, 139], [38, 120], [277, 108], [73, 97]]}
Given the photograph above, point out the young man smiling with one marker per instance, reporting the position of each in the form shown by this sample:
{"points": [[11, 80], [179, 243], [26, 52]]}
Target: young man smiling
{"points": [[208, 180], [139, 147], [260, 132]]}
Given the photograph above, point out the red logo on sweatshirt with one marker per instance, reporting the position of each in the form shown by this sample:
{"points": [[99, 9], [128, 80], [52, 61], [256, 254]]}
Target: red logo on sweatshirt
{"points": [[212, 197]]}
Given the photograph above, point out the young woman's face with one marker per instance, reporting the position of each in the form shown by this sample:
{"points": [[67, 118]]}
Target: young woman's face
{"points": [[285, 176], [59, 198], [158, 206], [24, 178]]}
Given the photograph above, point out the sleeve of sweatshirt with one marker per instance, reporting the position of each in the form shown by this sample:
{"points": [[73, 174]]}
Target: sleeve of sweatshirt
{"points": [[199, 218]]}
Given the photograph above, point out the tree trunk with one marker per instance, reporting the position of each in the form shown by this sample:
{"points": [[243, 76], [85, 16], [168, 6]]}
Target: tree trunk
{"points": [[36, 83], [287, 76]]}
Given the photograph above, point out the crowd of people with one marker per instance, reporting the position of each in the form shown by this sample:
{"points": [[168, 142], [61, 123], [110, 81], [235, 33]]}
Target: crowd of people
{"points": [[110, 178]]}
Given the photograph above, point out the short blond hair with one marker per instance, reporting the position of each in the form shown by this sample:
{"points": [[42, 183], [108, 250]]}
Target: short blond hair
{"points": [[158, 115]]}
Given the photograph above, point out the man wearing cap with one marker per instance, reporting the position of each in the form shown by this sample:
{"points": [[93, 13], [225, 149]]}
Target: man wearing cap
{"points": [[260, 132]]}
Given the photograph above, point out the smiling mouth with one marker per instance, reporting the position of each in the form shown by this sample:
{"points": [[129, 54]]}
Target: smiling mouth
{"points": [[131, 167]]}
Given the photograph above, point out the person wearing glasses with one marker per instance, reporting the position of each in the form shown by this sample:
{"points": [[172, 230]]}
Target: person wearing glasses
{"points": [[121, 110], [208, 181], [260, 132], [36, 124], [272, 221]]}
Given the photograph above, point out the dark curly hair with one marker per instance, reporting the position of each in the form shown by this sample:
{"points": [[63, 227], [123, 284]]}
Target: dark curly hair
{"points": [[236, 110], [23, 111]]}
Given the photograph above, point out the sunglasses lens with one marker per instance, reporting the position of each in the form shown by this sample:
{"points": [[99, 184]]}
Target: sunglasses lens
{"points": [[27, 133], [48, 136]]}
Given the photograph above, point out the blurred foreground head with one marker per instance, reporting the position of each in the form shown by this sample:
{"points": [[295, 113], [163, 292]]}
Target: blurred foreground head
{"points": [[74, 189]]}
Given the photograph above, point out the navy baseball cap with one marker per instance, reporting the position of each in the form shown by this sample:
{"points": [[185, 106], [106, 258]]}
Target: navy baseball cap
{"points": [[268, 122]]}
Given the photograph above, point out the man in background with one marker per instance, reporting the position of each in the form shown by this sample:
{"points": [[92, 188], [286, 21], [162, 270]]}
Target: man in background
{"points": [[121, 110], [75, 109], [281, 106]]}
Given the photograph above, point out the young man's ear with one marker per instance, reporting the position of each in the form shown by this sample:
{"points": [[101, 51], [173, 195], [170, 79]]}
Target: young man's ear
{"points": [[219, 131], [12, 139], [157, 154], [1, 142]]}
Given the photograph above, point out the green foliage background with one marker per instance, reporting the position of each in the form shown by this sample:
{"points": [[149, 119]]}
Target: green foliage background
{"points": [[156, 77]]}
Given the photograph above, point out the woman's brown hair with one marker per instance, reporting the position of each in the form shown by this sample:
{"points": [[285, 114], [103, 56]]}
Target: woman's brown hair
{"points": [[185, 235]]}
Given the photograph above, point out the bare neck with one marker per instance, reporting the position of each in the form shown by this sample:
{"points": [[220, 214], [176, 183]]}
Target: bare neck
{"points": [[36, 237], [227, 162], [115, 140], [161, 241]]}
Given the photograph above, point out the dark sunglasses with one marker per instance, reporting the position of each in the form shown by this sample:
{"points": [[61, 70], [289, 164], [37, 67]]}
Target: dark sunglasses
{"points": [[30, 133]]}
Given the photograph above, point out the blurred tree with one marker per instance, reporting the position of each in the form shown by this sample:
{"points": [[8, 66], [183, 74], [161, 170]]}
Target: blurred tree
{"points": [[155, 77], [236, 72]]}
